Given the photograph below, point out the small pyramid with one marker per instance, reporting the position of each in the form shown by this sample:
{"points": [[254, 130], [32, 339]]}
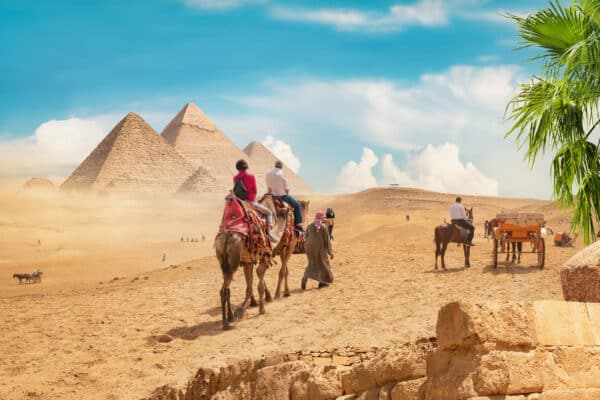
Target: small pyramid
{"points": [[201, 181], [132, 157], [262, 160], [202, 144]]}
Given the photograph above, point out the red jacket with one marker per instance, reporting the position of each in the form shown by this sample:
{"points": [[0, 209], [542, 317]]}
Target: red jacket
{"points": [[249, 182]]}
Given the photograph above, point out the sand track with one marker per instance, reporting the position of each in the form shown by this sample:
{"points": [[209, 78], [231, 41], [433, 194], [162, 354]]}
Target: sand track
{"points": [[72, 337]]}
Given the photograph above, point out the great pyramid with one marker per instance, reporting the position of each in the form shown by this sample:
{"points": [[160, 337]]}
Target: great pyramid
{"points": [[131, 158], [261, 161], [200, 142]]}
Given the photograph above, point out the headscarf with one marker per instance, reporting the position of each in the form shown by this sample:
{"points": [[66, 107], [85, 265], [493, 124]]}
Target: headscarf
{"points": [[319, 218]]}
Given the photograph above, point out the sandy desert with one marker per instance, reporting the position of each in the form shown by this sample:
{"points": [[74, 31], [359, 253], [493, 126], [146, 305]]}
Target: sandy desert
{"points": [[90, 329]]}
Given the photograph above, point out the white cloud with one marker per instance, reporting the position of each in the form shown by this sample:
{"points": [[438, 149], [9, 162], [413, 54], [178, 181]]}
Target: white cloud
{"points": [[358, 176], [219, 4], [440, 169], [463, 105], [487, 58], [54, 148], [422, 12], [436, 168], [428, 13], [283, 152]]}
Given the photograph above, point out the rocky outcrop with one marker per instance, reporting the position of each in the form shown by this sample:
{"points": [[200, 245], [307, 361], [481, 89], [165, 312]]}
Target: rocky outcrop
{"points": [[580, 276], [541, 350], [546, 350]]}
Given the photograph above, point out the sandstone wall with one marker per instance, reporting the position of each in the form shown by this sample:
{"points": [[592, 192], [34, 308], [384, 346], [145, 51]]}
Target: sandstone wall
{"points": [[546, 350]]}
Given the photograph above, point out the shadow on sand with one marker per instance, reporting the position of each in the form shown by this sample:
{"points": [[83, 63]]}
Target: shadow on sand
{"points": [[508, 267], [447, 271], [208, 328]]}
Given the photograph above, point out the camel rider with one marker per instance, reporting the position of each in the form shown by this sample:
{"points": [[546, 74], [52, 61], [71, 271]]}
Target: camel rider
{"points": [[278, 187], [245, 188], [458, 216]]}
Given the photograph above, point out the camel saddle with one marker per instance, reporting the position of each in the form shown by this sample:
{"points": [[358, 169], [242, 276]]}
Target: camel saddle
{"points": [[240, 217], [281, 206]]}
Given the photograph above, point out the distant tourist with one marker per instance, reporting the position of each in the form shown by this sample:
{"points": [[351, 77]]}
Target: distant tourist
{"points": [[278, 186], [458, 216], [318, 253], [407, 218], [244, 187]]}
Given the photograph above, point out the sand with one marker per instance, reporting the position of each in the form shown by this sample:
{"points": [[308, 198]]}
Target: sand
{"points": [[83, 334]]}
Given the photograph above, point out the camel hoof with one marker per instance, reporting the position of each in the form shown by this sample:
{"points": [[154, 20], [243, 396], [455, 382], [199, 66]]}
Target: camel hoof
{"points": [[262, 311], [239, 313], [253, 302], [286, 294], [268, 297], [277, 296], [303, 284], [467, 266], [227, 327]]}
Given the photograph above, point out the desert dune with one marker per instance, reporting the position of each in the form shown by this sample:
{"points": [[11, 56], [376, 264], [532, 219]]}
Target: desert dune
{"points": [[91, 328]]}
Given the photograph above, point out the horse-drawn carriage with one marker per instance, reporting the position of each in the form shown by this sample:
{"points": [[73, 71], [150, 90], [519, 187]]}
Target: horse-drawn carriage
{"points": [[518, 228]]}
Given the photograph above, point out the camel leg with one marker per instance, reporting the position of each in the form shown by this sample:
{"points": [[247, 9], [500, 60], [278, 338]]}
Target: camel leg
{"points": [[467, 251], [286, 292], [225, 300], [437, 252], [283, 256], [260, 271], [239, 312]]}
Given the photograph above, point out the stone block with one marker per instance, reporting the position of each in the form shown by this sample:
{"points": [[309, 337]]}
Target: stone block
{"points": [[459, 375], [572, 368], [561, 323], [408, 390], [275, 382], [576, 394], [580, 276], [499, 325]]}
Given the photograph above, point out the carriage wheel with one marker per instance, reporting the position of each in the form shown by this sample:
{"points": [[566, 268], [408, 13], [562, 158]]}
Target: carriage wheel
{"points": [[541, 253], [495, 251]]}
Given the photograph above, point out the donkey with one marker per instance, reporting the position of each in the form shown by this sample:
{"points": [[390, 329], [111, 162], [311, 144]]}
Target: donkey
{"points": [[444, 234]]}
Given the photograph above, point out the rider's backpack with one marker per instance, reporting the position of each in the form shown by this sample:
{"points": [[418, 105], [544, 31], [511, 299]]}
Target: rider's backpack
{"points": [[239, 189]]}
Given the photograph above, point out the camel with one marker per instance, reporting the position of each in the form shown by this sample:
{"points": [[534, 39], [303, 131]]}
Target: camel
{"points": [[444, 234], [283, 251], [232, 251]]}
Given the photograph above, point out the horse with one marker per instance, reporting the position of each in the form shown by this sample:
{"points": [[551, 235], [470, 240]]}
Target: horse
{"points": [[283, 250], [444, 234], [518, 246], [20, 277]]}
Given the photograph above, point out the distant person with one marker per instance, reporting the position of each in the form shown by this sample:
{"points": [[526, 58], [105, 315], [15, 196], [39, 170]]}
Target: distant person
{"points": [[458, 216], [407, 218], [318, 253], [244, 187], [278, 186], [203, 238]]}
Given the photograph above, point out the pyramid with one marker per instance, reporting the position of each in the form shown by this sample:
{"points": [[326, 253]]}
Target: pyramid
{"points": [[200, 181], [261, 161], [201, 143], [131, 158]]}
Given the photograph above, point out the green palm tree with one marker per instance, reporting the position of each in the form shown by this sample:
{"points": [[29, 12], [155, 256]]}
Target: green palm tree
{"points": [[557, 111]]}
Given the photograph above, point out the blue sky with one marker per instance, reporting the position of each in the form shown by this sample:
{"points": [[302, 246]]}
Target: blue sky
{"points": [[334, 80]]}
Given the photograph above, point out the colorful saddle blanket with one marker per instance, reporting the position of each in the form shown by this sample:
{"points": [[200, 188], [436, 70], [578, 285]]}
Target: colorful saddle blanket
{"points": [[241, 218]]}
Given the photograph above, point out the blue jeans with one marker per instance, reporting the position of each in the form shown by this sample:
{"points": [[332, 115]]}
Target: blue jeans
{"points": [[296, 206], [468, 226]]}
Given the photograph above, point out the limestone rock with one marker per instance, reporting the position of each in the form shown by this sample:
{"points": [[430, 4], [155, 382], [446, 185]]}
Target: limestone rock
{"points": [[408, 390], [499, 325], [580, 276], [275, 382]]}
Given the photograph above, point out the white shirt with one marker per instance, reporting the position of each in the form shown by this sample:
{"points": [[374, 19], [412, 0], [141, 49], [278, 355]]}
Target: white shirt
{"points": [[277, 182], [457, 211]]}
